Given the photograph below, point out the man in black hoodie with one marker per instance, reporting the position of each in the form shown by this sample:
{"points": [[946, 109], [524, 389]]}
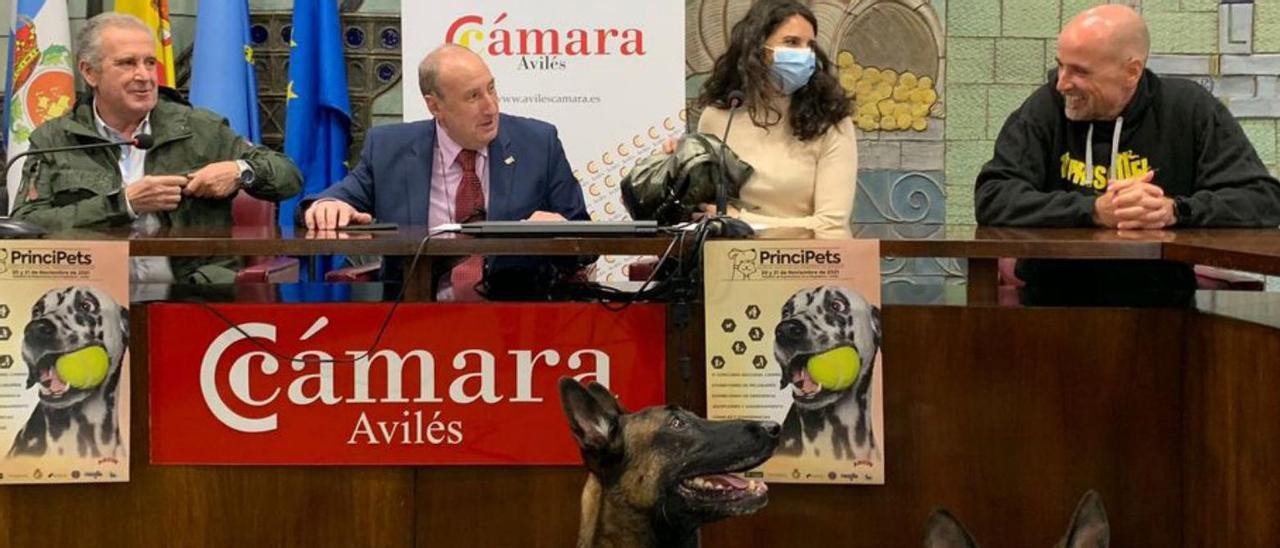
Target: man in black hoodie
{"points": [[1110, 144]]}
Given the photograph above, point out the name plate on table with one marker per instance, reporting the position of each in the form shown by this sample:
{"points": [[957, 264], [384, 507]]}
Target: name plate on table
{"points": [[447, 384]]}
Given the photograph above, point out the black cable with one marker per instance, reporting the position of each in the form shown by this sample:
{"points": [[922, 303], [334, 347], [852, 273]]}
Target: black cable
{"points": [[632, 298], [386, 321], [682, 284], [680, 281]]}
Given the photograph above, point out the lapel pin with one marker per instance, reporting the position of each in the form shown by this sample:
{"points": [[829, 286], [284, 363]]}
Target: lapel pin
{"points": [[510, 160]]}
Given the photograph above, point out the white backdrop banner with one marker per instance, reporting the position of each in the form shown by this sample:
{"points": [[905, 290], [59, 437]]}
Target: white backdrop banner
{"points": [[609, 74]]}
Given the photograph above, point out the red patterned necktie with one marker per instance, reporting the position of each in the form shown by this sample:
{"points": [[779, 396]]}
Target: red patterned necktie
{"points": [[469, 206]]}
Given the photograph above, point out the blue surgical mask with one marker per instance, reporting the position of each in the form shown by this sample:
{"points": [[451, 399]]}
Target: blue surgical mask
{"points": [[792, 68]]}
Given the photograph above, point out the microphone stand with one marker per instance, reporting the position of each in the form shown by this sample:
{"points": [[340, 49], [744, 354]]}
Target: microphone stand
{"points": [[11, 228], [722, 225]]}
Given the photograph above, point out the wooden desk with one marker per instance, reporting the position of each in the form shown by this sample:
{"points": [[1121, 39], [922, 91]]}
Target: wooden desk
{"points": [[1003, 414], [1243, 249]]}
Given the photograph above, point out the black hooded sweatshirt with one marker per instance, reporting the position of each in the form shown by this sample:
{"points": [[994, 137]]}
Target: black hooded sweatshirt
{"points": [[1202, 157]]}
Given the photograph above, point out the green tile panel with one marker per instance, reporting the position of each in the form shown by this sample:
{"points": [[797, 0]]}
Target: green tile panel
{"points": [[1185, 32], [1266, 27], [966, 111], [970, 60], [1071, 8], [1030, 18], [1262, 133], [1019, 61], [973, 18]]}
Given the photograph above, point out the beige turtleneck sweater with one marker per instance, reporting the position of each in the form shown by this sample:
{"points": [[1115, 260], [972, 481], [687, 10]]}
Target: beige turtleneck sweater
{"points": [[800, 184]]}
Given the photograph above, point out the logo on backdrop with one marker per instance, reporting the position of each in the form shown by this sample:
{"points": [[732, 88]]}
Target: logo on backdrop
{"points": [[541, 48], [310, 377], [783, 263], [446, 384]]}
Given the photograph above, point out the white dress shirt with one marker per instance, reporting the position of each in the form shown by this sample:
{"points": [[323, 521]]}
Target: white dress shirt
{"points": [[132, 165]]}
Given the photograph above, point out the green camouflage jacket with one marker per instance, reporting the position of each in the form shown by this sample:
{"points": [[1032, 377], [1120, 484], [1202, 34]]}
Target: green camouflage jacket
{"points": [[83, 188]]}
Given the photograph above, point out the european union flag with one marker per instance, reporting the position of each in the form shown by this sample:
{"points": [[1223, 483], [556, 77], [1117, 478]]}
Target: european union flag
{"points": [[222, 74], [318, 116]]}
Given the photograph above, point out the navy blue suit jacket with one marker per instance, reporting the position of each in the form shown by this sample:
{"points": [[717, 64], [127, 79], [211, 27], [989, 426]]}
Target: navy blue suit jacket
{"points": [[528, 172]]}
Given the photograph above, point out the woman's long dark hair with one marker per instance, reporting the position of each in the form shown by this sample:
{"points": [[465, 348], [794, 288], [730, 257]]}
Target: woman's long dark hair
{"points": [[816, 107]]}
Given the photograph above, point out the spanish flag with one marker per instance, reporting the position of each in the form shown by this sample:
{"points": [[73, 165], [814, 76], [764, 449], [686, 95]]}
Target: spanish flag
{"points": [[155, 13]]}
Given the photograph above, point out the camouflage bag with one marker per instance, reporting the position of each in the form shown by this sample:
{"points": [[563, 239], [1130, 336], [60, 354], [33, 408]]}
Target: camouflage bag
{"points": [[668, 187]]}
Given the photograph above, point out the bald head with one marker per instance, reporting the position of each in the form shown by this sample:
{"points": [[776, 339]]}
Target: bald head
{"points": [[1102, 54], [438, 61], [1113, 28], [461, 94]]}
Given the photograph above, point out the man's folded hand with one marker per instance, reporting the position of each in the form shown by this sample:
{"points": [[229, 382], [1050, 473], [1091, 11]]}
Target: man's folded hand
{"points": [[154, 193], [1134, 204]]}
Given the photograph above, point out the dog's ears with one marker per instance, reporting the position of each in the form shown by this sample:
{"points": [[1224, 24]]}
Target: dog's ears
{"points": [[593, 423], [1089, 526], [945, 531], [124, 325], [606, 399]]}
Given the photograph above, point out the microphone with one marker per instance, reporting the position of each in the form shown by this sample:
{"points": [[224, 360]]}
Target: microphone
{"points": [[143, 141], [724, 225], [14, 228]]}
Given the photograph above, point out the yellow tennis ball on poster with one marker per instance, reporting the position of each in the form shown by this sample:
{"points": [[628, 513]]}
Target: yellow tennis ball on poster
{"points": [[835, 369], [84, 368]]}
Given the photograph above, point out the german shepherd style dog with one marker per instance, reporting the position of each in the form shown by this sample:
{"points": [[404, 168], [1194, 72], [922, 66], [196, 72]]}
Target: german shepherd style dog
{"points": [[1089, 528], [658, 474]]}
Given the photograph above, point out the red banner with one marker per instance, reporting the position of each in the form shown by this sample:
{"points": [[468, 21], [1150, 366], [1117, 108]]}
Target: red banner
{"points": [[447, 384]]}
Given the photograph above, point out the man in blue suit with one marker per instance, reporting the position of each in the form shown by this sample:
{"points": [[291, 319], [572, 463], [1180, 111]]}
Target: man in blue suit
{"points": [[469, 163]]}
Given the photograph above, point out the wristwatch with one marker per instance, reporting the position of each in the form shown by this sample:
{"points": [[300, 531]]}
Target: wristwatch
{"points": [[246, 175], [1181, 210]]}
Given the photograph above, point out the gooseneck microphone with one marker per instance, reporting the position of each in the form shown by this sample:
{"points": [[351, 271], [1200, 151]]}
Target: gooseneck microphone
{"points": [[723, 225], [14, 228]]}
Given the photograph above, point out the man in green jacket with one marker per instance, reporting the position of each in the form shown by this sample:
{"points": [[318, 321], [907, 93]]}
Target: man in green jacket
{"points": [[187, 178]]}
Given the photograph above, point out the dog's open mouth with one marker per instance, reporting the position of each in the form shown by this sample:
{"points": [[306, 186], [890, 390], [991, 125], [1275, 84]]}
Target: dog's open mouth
{"points": [[726, 494], [723, 487], [721, 495], [52, 383], [802, 384]]}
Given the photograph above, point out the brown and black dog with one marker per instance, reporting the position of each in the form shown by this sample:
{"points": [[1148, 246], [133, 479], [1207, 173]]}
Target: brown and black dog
{"points": [[1089, 528], [658, 474]]}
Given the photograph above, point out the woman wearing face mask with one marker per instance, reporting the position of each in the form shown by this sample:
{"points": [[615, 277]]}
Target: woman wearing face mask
{"points": [[794, 127]]}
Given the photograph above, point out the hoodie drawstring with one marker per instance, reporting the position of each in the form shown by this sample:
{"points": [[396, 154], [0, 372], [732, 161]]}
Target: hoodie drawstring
{"points": [[1115, 151], [1088, 156]]}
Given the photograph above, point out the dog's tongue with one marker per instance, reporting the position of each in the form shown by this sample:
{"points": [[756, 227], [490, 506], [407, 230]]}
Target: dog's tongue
{"points": [[727, 483], [56, 384], [726, 480], [805, 382]]}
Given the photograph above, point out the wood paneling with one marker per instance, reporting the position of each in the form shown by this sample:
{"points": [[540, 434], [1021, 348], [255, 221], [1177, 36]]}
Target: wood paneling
{"points": [[199, 506], [1003, 415], [1006, 416], [1232, 426]]}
